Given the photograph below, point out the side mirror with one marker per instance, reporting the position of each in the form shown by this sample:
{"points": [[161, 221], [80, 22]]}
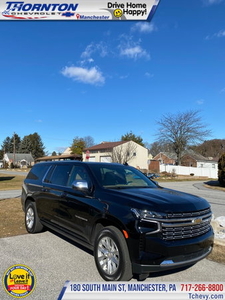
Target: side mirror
{"points": [[81, 185]]}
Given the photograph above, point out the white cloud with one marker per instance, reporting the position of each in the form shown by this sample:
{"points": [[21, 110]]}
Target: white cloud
{"points": [[131, 49], [219, 34], [200, 102], [211, 2], [88, 76], [124, 76], [144, 27], [134, 52], [149, 75], [92, 48]]}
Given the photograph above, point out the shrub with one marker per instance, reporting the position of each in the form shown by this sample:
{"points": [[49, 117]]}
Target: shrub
{"points": [[221, 170]]}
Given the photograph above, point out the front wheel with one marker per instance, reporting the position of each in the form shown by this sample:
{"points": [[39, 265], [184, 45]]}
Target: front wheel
{"points": [[32, 221], [111, 255]]}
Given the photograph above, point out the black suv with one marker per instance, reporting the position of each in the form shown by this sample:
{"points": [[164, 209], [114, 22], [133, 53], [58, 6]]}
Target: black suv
{"points": [[132, 225]]}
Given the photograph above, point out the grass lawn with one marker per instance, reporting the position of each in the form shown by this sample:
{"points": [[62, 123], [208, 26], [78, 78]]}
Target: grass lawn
{"points": [[11, 182]]}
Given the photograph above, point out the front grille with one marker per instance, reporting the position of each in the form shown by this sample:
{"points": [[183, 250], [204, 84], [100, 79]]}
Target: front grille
{"points": [[186, 225], [189, 214]]}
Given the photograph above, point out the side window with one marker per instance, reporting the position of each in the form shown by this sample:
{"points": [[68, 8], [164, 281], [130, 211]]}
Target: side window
{"points": [[38, 171], [60, 175], [79, 173]]}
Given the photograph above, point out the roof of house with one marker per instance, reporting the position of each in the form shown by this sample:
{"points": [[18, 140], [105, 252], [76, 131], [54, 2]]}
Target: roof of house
{"points": [[60, 157], [20, 156], [106, 145], [190, 153], [195, 156], [171, 155]]}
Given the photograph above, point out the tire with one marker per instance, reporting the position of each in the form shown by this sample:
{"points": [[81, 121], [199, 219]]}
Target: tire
{"points": [[111, 255], [32, 221]]}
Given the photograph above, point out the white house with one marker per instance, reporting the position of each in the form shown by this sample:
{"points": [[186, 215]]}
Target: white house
{"points": [[123, 152], [18, 159]]}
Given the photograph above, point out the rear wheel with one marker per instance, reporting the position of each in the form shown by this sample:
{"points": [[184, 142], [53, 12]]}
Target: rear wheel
{"points": [[111, 255], [32, 221]]}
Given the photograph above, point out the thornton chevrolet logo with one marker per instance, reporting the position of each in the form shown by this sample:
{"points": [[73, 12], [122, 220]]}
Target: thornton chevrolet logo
{"points": [[23, 10], [78, 10]]}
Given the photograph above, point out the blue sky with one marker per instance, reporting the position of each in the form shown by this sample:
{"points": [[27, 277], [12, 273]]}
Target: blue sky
{"points": [[103, 79]]}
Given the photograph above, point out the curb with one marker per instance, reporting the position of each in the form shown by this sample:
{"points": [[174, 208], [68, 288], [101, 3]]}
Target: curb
{"points": [[218, 253], [219, 231]]}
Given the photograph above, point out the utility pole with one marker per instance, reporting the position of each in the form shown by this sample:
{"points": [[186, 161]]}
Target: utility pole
{"points": [[14, 150]]}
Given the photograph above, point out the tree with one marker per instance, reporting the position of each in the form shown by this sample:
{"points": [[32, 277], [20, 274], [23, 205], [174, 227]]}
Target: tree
{"points": [[89, 141], [132, 137], [157, 147], [180, 130], [11, 144], [221, 170], [7, 146], [124, 153], [33, 144], [77, 146], [211, 148]]}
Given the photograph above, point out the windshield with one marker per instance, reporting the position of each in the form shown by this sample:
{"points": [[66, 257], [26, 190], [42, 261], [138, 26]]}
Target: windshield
{"points": [[120, 176]]}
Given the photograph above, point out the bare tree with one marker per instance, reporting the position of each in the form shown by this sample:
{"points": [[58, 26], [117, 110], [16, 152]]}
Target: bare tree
{"points": [[157, 147], [124, 153], [182, 129]]}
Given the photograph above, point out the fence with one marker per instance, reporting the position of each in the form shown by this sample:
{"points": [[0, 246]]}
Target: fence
{"points": [[181, 170]]}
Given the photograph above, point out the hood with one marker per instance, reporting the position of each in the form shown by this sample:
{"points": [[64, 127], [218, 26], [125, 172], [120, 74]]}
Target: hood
{"points": [[161, 199]]}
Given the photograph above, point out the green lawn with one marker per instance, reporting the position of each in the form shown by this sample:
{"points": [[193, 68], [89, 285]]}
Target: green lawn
{"points": [[11, 182]]}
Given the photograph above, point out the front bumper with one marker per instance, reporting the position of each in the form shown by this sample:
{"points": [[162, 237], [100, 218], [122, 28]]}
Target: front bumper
{"points": [[158, 256]]}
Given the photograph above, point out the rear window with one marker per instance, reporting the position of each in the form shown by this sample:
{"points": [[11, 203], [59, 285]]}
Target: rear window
{"points": [[37, 172]]}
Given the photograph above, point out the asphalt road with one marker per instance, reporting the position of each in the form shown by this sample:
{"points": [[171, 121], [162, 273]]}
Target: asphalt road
{"points": [[10, 194], [55, 260], [215, 197]]}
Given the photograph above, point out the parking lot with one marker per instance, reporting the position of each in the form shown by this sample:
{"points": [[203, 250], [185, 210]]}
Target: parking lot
{"points": [[55, 260]]}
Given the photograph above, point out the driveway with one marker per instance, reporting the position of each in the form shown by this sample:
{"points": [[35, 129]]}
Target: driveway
{"points": [[198, 188], [10, 194], [10, 172], [55, 260]]}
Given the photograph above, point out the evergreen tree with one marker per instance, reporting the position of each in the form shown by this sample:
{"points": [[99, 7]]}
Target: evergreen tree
{"points": [[221, 170], [132, 137], [7, 146], [32, 144], [77, 146], [11, 144]]}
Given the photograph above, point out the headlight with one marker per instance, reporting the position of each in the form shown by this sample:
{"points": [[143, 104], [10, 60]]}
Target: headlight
{"points": [[147, 214], [148, 222]]}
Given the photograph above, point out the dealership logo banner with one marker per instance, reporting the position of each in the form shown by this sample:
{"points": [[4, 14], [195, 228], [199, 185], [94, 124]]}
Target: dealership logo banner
{"points": [[82, 10]]}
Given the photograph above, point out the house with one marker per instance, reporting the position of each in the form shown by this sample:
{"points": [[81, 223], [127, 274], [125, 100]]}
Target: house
{"points": [[18, 159], [189, 158], [193, 159], [67, 151], [191, 163], [122, 152], [169, 158]]}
